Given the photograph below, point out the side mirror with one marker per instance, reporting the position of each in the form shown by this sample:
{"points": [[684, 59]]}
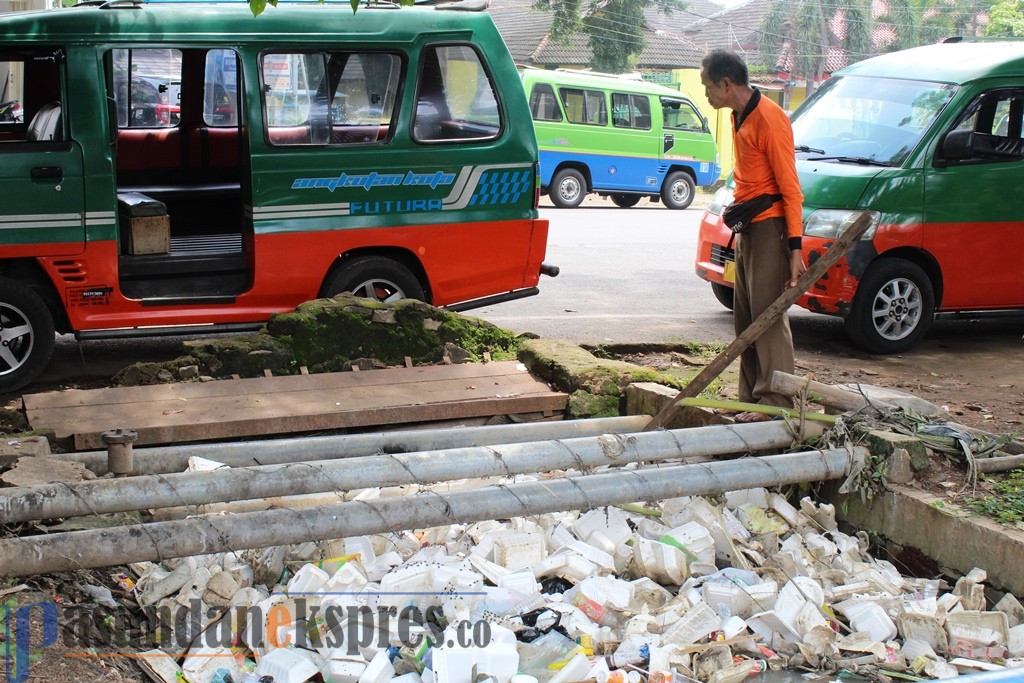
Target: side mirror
{"points": [[958, 145]]}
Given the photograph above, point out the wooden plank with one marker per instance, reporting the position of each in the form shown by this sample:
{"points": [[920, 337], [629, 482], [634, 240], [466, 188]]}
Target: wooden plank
{"points": [[324, 381], [283, 424], [276, 405], [296, 401]]}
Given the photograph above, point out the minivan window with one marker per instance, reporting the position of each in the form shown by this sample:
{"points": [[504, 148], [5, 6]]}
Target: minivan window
{"points": [[336, 98], [220, 89], [147, 87], [875, 119], [543, 105], [631, 111], [997, 118], [30, 96], [996, 112], [455, 97], [679, 115], [584, 106]]}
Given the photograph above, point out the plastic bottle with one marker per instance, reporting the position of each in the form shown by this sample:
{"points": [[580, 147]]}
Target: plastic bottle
{"points": [[737, 672], [634, 650]]}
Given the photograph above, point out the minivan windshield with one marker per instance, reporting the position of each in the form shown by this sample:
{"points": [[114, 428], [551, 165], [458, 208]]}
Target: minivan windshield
{"points": [[866, 120]]}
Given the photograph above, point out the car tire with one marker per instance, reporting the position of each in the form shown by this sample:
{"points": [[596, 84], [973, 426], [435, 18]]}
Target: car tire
{"points": [[374, 277], [625, 201], [724, 294], [678, 190], [568, 189], [893, 307], [26, 335]]}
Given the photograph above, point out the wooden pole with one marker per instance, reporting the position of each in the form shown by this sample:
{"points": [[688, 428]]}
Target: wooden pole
{"points": [[764, 321], [825, 394]]}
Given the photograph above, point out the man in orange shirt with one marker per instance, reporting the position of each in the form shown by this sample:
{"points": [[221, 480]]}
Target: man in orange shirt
{"points": [[768, 254]]}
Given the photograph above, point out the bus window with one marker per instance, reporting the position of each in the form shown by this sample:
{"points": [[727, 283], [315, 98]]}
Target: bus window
{"points": [[147, 86], [679, 115], [631, 111], [584, 106], [543, 106]]}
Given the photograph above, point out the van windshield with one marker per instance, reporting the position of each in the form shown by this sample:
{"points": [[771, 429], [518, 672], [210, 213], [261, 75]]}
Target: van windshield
{"points": [[868, 120]]}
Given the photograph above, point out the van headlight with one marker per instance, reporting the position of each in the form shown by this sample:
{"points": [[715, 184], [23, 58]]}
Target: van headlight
{"points": [[831, 223], [719, 200]]}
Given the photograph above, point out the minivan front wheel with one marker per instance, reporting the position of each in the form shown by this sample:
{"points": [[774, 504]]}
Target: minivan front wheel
{"points": [[678, 190], [724, 294], [568, 188], [26, 335], [893, 307], [374, 277]]}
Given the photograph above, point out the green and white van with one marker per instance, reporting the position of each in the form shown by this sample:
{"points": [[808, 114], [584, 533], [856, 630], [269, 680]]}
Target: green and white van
{"points": [[191, 168]]}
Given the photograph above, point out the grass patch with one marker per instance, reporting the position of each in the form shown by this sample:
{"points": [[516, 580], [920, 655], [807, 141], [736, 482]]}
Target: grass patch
{"points": [[1006, 504]]}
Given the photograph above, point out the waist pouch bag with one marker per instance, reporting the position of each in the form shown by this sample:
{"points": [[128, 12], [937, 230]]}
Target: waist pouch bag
{"points": [[741, 214]]}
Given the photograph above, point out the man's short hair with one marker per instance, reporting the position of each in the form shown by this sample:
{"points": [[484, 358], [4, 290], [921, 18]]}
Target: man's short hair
{"points": [[719, 64]]}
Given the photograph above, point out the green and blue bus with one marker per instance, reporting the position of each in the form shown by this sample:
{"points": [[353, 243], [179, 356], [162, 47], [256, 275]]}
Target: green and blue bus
{"points": [[618, 137]]}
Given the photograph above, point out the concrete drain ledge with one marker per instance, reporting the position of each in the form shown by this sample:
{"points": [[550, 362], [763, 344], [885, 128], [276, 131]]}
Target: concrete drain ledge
{"points": [[955, 540]]}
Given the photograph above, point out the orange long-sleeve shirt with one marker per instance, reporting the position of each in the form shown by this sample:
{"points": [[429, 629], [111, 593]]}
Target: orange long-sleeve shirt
{"points": [[766, 162]]}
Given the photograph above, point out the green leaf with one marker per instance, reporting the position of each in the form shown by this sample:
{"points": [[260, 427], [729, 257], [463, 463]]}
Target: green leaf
{"points": [[257, 7]]}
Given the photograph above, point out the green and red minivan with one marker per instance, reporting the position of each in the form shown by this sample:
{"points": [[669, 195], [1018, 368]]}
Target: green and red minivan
{"points": [[930, 141], [301, 153]]}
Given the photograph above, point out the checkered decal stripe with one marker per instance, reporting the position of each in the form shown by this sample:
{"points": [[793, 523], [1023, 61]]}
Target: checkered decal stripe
{"points": [[501, 187]]}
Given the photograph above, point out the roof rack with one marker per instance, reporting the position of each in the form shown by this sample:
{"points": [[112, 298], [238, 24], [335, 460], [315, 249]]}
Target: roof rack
{"points": [[110, 4], [456, 5], [587, 72]]}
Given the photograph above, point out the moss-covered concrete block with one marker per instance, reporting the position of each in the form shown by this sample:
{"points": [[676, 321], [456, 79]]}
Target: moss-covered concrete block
{"points": [[246, 355], [883, 444], [571, 368], [584, 405], [326, 334]]}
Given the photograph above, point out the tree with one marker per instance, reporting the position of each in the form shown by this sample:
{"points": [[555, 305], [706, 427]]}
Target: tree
{"points": [[941, 19], [1006, 20], [614, 28], [807, 27]]}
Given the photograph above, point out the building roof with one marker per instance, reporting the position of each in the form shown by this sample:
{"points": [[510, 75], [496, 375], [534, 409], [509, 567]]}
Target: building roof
{"points": [[676, 22], [527, 33], [736, 28]]}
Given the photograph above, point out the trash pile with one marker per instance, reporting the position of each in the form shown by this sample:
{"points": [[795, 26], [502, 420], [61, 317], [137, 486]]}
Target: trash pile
{"points": [[690, 590]]}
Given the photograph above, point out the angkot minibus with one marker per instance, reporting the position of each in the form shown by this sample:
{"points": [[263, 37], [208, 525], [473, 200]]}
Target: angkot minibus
{"points": [[618, 137], [389, 153], [929, 141]]}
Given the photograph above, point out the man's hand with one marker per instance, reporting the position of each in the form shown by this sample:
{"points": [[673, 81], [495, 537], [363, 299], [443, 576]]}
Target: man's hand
{"points": [[797, 267]]}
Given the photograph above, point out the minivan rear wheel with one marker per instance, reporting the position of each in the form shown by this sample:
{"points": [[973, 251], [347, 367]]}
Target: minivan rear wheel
{"points": [[678, 190], [26, 335], [893, 307], [374, 277]]}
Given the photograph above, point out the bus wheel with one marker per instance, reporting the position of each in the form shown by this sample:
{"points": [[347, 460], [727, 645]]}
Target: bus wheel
{"points": [[374, 277], [568, 188], [625, 200], [26, 335], [893, 307], [678, 190], [723, 293]]}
